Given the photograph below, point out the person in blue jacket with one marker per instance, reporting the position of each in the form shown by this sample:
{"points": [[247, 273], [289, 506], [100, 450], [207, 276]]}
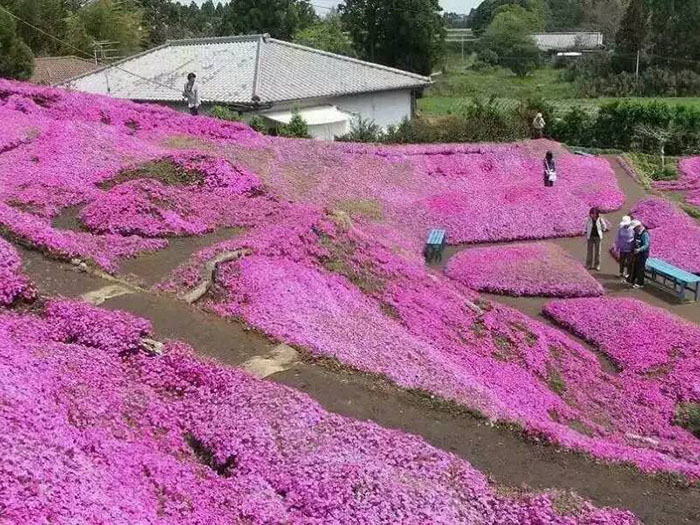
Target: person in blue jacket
{"points": [[642, 246]]}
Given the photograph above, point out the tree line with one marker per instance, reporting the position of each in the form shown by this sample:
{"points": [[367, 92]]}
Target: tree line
{"points": [[407, 34]]}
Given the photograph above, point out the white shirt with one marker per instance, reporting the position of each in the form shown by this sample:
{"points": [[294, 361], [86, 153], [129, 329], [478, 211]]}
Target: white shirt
{"points": [[191, 94]]}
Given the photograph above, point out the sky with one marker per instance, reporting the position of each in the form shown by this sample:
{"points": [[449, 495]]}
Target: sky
{"points": [[455, 6]]}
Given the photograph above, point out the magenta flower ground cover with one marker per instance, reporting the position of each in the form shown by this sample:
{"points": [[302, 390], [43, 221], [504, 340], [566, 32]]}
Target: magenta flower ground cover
{"points": [[689, 179], [478, 193], [639, 338], [14, 285], [62, 147], [134, 438], [675, 236], [532, 269], [339, 294]]}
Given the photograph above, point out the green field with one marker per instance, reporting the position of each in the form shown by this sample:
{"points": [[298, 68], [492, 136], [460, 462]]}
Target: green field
{"points": [[458, 85]]}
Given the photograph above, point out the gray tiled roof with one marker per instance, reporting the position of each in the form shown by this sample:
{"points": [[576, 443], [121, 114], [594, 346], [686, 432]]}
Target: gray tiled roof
{"points": [[234, 69]]}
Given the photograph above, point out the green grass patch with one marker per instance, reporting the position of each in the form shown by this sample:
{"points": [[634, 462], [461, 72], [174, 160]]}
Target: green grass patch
{"points": [[649, 167], [688, 416]]}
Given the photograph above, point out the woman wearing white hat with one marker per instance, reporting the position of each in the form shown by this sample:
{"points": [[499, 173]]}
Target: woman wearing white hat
{"points": [[625, 245]]}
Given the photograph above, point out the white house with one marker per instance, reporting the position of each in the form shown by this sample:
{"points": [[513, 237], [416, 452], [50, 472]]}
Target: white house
{"points": [[262, 75], [581, 40]]}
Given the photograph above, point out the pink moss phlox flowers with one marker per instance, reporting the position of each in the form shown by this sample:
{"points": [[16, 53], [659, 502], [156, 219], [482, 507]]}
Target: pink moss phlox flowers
{"points": [[14, 285], [675, 236], [640, 339], [533, 269], [96, 433], [689, 170], [340, 294]]}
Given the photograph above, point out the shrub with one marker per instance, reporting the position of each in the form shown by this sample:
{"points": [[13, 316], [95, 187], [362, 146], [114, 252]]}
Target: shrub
{"points": [[257, 123], [297, 127], [224, 113], [362, 130]]}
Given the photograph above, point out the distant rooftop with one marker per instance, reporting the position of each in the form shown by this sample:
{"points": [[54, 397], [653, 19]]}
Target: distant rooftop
{"points": [[235, 69], [55, 70]]}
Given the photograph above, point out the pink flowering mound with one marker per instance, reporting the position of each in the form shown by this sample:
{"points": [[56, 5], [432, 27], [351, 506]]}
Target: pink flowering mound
{"points": [[689, 176], [675, 236], [533, 269], [14, 285], [62, 150], [134, 438], [315, 282], [478, 193], [646, 343]]}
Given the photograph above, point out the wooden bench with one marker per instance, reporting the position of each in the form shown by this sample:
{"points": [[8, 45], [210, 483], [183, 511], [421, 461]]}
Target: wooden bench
{"points": [[673, 278], [435, 245]]}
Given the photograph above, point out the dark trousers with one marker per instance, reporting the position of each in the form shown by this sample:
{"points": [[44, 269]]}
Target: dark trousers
{"points": [[626, 263], [547, 182], [638, 266], [194, 111]]}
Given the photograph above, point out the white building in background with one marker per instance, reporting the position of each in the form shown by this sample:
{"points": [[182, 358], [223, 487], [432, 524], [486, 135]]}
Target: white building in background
{"points": [[582, 40], [259, 74]]}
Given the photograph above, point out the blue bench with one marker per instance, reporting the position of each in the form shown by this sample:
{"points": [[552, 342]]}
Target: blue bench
{"points": [[435, 245], [673, 278]]}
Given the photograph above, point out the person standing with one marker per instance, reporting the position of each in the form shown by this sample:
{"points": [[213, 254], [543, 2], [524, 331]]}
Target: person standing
{"points": [[538, 125], [625, 245], [595, 227], [191, 94], [642, 243], [550, 169]]}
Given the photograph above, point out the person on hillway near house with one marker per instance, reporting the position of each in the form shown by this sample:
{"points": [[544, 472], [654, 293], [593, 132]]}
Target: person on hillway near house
{"points": [[191, 94], [642, 245], [595, 227], [625, 245], [550, 169], [538, 125]]}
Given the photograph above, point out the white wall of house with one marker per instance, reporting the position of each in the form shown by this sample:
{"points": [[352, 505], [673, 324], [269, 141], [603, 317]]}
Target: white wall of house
{"points": [[384, 107]]}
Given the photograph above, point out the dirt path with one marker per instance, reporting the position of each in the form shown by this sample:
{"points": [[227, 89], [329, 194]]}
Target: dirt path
{"points": [[500, 453]]}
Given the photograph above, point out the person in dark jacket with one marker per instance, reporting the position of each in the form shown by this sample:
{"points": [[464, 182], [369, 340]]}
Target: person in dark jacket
{"points": [[550, 169], [642, 243]]}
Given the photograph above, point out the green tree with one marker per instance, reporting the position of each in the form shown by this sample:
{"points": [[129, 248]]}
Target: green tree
{"points": [[16, 59], [119, 21], [280, 18], [483, 15], [634, 28], [407, 34], [328, 35], [509, 37], [674, 32]]}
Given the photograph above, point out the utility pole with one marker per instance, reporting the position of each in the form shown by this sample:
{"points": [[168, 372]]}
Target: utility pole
{"points": [[636, 73]]}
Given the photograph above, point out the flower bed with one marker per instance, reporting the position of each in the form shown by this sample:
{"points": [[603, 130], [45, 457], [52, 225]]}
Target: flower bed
{"points": [[338, 293], [478, 193], [646, 342], [689, 176], [65, 145], [675, 237], [171, 439], [534, 269], [14, 285]]}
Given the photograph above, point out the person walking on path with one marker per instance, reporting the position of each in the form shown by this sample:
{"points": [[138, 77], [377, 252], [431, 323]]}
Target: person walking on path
{"points": [[595, 227], [625, 245], [550, 169], [538, 125], [191, 94], [642, 243]]}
